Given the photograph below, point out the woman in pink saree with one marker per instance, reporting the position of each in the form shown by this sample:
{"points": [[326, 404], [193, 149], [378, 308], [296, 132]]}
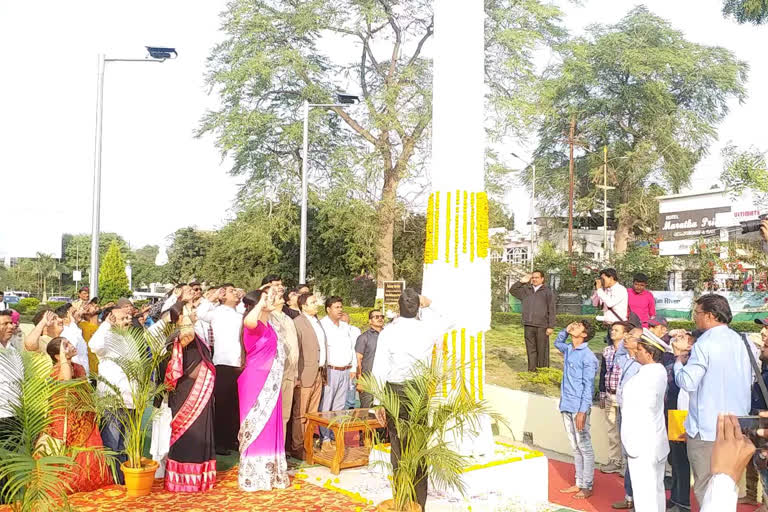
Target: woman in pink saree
{"points": [[262, 444]]}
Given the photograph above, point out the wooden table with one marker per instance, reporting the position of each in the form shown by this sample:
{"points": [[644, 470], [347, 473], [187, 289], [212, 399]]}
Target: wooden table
{"points": [[340, 422]]}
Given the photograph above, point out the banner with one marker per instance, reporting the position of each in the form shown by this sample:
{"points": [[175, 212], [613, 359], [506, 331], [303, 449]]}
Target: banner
{"points": [[680, 301]]}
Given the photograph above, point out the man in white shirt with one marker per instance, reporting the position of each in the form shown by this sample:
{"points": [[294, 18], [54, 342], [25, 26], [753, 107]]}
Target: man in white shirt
{"points": [[9, 384], [341, 360], [75, 336], [354, 333], [226, 325], [401, 346], [108, 344], [611, 297], [3, 305]]}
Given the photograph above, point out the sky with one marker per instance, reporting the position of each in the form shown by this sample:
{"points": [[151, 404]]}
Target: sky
{"points": [[156, 176]]}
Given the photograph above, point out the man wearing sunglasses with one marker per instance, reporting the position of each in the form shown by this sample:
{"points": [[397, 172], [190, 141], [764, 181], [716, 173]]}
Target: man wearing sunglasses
{"points": [[365, 347]]}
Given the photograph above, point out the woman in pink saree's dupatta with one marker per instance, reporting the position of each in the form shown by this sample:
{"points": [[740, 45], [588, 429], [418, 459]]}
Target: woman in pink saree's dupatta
{"points": [[262, 444]]}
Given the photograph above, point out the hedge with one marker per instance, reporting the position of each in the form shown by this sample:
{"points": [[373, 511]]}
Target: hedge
{"points": [[500, 318]]}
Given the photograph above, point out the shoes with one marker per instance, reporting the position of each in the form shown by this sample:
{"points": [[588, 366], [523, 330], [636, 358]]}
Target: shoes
{"points": [[624, 505], [610, 468]]}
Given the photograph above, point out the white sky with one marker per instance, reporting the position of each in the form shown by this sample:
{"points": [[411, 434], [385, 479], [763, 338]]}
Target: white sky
{"points": [[156, 176]]}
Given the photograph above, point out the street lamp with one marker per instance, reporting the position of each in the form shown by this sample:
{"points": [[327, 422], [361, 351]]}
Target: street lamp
{"points": [[154, 54], [533, 205], [342, 101]]}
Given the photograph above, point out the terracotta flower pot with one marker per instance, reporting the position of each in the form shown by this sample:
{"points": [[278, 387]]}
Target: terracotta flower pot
{"points": [[138, 481], [389, 506]]}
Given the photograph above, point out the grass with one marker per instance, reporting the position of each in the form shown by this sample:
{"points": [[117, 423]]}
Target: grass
{"points": [[506, 363]]}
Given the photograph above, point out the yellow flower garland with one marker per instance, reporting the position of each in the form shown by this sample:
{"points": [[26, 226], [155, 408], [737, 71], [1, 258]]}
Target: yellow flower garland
{"points": [[472, 227], [482, 225], [463, 357], [480, 365], [445, 362], [448, 228], [453, 359], [456, 230], [436, 224], [429, 243], [464, 225], [472, 366]]}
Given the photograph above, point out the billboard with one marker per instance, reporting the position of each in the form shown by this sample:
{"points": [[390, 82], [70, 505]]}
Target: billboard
{"points": [[692, 224]]}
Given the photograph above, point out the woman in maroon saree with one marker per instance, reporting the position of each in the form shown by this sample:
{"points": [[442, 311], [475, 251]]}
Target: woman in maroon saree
{"points": [[190, 375]]}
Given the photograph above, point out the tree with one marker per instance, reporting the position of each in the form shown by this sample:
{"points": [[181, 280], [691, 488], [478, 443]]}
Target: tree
{"points": [[186, 254], [113, 281], [747, 11], [145, 271], [271, 62], [745, 170], [649, 95], [76, 251], [46, 267]]}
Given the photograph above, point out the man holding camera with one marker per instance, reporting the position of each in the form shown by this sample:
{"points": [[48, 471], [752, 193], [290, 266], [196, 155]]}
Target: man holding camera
{"points": [[538, 317], [611, 296]]}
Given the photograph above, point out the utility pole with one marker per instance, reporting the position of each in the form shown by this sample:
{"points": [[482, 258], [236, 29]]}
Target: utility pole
{"points": [[606, 188], [571, 142]]}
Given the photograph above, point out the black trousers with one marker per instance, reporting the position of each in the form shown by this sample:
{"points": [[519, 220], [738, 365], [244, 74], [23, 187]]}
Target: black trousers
{"points": [[366, 400], [226, 408], [396, 444], [680, 493], [536, 346]]}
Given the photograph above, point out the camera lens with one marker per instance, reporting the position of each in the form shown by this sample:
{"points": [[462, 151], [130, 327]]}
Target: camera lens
{"points": [[750, 226]]}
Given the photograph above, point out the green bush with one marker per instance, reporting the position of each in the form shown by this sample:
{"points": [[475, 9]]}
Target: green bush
{"points": [[27, 306], [543, 376]]}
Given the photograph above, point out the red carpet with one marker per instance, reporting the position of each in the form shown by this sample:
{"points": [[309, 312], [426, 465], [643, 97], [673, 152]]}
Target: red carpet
{"points": [[608, 490]]}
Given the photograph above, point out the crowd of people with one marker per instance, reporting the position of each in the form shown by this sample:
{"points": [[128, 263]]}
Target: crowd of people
{"points": [[242, 372], [648, 377]]}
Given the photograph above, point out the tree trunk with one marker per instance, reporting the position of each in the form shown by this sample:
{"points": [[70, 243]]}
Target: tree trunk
{"points": [[386, 231], [623, 232]]}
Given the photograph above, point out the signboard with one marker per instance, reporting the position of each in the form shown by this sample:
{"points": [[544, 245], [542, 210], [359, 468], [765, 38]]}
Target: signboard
{"points": [[392, 291], [679, 301], [77, 275], [676, 247], [690, 224]]}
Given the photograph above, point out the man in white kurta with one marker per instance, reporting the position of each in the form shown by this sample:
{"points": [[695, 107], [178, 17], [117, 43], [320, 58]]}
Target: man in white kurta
{"points": [[643, 432]]}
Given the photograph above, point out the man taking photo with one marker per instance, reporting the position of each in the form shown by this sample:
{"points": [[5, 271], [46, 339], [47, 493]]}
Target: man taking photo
{"points": [[538, 317]]}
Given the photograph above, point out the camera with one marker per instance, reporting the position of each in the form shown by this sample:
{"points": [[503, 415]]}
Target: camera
{"points": [[749, 426], [750, 226]]}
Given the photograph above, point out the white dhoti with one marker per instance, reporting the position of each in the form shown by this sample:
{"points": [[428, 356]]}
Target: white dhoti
{"points": [[648, 484], [161, 437]]}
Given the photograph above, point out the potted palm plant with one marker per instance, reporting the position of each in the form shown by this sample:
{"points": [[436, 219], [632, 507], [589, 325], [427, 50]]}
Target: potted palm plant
{"points": [[141, 354], [33, 473], [433, 420]]}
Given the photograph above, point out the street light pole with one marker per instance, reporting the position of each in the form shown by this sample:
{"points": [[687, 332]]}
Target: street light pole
{"points": [[606, 188], [344, 101], [304, 158], [96, 209], [533, 214], [156, 54]]}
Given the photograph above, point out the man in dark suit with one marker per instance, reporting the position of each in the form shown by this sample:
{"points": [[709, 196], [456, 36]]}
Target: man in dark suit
{"points": [[538, 317], [312, 361]]}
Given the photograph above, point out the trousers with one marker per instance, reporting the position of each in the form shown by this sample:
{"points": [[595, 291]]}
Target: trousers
{"points": [[536, 347], [680, 493], [305, 399], [648, 484], [583, 454], [700, 455], [226, 408]]}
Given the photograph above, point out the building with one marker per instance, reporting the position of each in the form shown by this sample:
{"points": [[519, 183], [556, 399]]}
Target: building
{"points": [[716, 215]]}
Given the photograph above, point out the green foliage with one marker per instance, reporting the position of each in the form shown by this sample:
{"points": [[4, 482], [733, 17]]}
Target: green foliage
{"points": [[746, 11], [643, 259], [34, 479], [577, 274], [432, 421], [410, 236], [141, 354], [745, 170], [27, 306], [649, 95], [186, 254], [543, 376], [363, 291], [113, 282]]}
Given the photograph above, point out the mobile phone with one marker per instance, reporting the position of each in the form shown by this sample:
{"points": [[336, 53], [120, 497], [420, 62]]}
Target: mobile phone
{"points": [[749, 426]]}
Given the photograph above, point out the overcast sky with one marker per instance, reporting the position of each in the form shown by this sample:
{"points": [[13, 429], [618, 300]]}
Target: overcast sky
{"points": [[156, 176]]}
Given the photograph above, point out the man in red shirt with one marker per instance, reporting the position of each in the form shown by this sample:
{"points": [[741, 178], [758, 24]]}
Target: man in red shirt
{"points": [[641, 301]]}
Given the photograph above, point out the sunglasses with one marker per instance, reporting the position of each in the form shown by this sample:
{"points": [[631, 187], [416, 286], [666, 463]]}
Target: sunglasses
{"points": [[197, 289], [377, 316]]}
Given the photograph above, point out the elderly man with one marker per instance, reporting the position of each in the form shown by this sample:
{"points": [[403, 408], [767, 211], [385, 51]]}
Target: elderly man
{"points": [[108, 343], [341, 360], [538, 302], [718, 376]]}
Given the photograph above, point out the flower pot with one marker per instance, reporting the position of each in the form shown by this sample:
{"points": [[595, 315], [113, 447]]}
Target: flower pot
{"points": [[138, 481], [389, 506]]}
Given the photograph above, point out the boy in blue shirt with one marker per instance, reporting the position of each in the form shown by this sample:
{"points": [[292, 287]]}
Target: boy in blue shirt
{"points": [[576, 391]]}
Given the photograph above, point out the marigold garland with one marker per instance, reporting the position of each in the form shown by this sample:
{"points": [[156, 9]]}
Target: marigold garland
{"points": [[463, 357], [464, 225], [429, 243], [480, 365], [482, 225], [472, 366], [472, 227], [445, 363], [436, 225], [448, 228], [456, 230], [453, 359]]}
